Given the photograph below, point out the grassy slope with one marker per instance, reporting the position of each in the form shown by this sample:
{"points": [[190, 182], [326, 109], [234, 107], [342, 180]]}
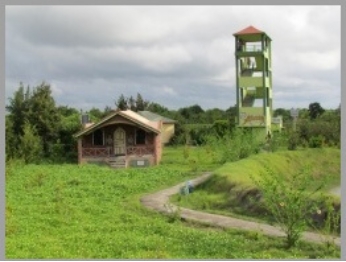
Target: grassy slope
{"points": [[323, 162], [66, 211], [227, 191]]}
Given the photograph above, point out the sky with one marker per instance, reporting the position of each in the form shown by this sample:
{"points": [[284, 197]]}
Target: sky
{"points": [[176, 56]]}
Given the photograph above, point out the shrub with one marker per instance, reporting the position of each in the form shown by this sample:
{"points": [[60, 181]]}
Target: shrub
{"points": [[288, 202], [293, 141], [316, 141]]}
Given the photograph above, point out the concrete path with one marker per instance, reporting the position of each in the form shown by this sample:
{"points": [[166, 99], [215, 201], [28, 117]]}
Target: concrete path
{"points": [[159, 201], [336, 191]]}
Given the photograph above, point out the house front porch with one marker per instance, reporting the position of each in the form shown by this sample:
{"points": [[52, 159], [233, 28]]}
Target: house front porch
{"points": [[135, 156]]}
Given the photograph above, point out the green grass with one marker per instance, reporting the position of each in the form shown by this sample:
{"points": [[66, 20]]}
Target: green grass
{"points": [[193, 159], [89, 211], [230, 190], [322, 163]]}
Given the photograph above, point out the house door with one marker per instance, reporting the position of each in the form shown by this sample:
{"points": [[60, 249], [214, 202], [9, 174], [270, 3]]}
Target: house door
{"points": [[119, 141]]}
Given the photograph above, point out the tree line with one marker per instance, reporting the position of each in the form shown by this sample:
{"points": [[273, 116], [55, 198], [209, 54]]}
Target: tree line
{"points": [[37, 129]]}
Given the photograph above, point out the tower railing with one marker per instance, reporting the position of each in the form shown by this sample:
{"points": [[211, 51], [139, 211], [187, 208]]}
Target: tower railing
{"points": [[252, 48]]}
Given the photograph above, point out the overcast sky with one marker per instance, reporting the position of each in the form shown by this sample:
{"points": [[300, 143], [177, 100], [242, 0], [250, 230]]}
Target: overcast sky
{"points": [[173, 55]]}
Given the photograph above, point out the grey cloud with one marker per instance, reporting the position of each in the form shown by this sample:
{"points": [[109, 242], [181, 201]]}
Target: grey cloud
{"points": [[174, 55]]}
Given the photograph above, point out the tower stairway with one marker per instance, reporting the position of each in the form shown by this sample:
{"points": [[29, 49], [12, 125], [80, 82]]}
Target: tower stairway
{"points": [[249, 100]]}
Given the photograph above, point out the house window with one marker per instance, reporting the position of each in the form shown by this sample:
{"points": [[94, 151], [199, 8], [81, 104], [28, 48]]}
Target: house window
{"points": [[140, 137], [98, 138]]}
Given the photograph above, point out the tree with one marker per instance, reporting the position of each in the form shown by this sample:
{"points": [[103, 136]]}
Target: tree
{"points": [[18, 113], [285, 113], [141, 104], [11, 140], [132, 104], [65, 146], [30, 145], [121, 103], [95, 114], [192, 113], [43, 114], [107, 111], [159, 109], [18, 109], [315, 110]]}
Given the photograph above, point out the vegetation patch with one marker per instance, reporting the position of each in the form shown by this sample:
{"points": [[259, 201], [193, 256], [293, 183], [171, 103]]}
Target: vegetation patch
{"points": [[89, 211], [233, 191]]}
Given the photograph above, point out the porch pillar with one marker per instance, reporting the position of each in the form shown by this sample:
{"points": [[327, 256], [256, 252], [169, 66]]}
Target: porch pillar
{"points": [[158, 145], [80, 156], [157, 148]]}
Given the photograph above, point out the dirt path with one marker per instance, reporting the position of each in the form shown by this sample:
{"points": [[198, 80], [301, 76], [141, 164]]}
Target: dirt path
{"points": [[159, 201]]}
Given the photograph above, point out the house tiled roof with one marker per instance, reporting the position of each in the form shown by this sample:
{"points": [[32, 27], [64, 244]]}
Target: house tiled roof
{"points": [[155, 117], [249, 30], [128, 114], [135, 116]]}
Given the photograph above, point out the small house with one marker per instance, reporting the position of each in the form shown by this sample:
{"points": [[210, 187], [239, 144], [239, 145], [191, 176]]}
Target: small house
{"points": [[168, 125], [122, 139]]}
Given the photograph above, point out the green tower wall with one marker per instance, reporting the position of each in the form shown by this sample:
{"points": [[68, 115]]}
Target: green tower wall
{"points": [[254, 79]]}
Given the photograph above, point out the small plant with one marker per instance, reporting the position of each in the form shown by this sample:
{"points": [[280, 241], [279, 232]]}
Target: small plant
{"points": [[331, 227], [173, 212], [186, 152], [58, 199], [288, 201]]}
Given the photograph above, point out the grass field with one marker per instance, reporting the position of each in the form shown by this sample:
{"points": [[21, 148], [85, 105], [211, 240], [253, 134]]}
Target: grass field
{"points": [[230, 190], [89, 211]]}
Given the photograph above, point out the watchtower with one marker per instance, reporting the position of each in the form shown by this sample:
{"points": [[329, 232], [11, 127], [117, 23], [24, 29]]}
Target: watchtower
{"points": [[253, 79]]}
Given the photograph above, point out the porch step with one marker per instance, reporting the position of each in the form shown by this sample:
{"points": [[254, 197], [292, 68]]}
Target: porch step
{"points": [[117, 163]]}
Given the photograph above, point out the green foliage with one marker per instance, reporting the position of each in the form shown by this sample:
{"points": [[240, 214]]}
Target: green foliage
{"points": [[315, 110], [221, 127], [288, 201], [121, 103], [331, 213], [95, 114], [316, 141], [277, 141], [191, 113], [100, 217], [231, 191], [285, 113], [11, 140], [141, 104], [234, 146], [18, 108], [124, 103], [54, 126], [30, 145], [293, 141], [44, 115]]}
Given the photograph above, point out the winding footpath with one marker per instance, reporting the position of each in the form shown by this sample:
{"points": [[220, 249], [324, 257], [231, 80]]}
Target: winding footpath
{"points": [[159, 201]]}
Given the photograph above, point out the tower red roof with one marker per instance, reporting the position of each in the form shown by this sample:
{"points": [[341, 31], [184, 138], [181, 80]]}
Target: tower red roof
{"points": [[249, 30]]}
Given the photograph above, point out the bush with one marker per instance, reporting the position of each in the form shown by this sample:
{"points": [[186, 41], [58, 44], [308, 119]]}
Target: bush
{"points": [[287, 201], [234, 145], [278, 139], [293, 141], [316, 142], [221, 127]]}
